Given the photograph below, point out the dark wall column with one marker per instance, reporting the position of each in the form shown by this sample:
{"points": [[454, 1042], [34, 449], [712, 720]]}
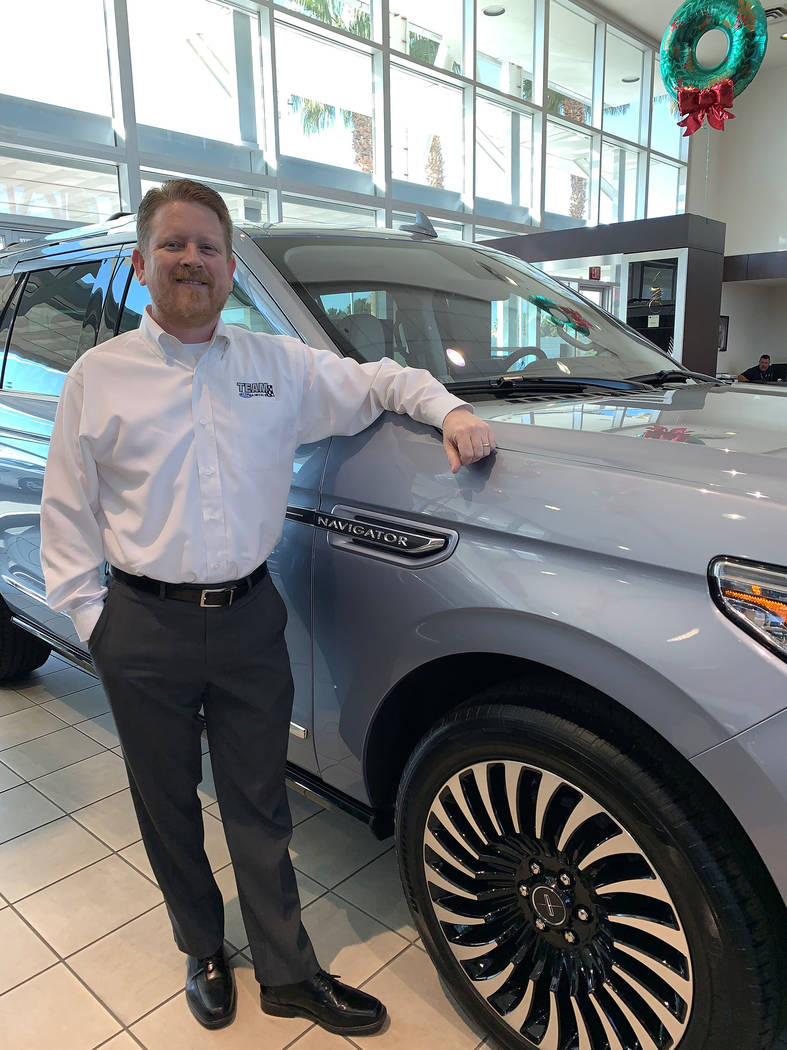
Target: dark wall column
{"points": [[703, 306]]}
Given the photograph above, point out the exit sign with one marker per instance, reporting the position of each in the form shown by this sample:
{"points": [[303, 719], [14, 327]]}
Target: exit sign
{"points": [[595, 273]]}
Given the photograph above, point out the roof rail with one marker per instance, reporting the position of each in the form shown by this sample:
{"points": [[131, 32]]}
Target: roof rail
{"points": [[421, 225]]}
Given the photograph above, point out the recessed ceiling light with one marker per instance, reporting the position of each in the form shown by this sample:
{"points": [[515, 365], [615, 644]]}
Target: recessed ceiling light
{"points": [[494, 9], [784, 36], [630, 80]]}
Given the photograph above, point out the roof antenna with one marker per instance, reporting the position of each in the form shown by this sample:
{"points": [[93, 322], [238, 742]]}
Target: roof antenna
{"points": [[421, 225]]}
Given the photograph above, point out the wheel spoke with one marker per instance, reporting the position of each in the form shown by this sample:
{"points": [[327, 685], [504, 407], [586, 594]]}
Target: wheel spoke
{"points": [[667, 1018], [583, 811], [609, 1029], [677, 983], [550, 1039], [438, 811], [644, 1037], [513, 771], [617, 844], [481, 776], [445, 914], [441, 851], [647, 887], [454, 785], [674, 938], [546, 789], [517, 1016], [582, 1030], [443, 883]]}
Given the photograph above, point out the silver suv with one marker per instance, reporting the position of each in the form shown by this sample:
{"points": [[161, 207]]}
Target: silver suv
{"points": [[559, 677]]}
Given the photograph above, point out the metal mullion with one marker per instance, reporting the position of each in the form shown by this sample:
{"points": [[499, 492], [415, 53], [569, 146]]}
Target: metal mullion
{"points": [[544, 8], [599, 62], [646, 99], [270, 108], [470, 115], [122, 79], [381, 87], [244, 78]]}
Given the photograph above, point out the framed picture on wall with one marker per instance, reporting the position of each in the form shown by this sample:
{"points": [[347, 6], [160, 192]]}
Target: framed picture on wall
{"points": [[724, 327]]}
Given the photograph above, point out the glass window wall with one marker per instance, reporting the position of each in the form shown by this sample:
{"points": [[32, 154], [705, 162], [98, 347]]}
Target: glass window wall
{"points": [[430, 33], [572, 42], [53, 191], [427, 131], [185, 72], [504, 47], [305, 211], [203, 93], [327, 119], [620, 169], [351, 15], [38, 37], [666, 189], [665, 135], [244, 205], [622, 87], [504, 157], [568, 176]]}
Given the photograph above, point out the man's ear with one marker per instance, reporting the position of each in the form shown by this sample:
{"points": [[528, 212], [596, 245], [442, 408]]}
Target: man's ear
{"points": [[138, 260]]}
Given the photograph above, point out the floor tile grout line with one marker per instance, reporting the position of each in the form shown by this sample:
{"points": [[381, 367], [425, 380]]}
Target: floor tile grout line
{"points": [[68, 765], [50, 732], [63, 960]]}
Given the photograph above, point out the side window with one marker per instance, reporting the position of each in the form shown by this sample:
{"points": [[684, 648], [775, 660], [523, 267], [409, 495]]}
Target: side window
{"points": [[45, 338], [247, 307]]}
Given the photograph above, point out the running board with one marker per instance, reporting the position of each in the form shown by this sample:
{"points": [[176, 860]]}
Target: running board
{"points": [[62, 648]]}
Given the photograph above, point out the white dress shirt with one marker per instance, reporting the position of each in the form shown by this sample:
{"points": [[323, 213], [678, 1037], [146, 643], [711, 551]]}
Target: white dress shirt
{"points": [[177, 465]]}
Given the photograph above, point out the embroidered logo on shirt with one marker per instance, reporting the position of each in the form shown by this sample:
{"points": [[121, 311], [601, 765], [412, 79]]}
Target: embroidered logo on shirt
{"points": [[255, 390]]}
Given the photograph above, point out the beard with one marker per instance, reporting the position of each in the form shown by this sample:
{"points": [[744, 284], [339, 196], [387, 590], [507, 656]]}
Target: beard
{"points": [[185, 305]]}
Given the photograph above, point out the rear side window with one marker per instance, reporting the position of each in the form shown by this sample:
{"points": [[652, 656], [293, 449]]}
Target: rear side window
{"points": [[45, 337]]}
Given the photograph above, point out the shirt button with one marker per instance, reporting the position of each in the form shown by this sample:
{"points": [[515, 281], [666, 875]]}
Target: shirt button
{"points": [[207, 472], [203, 422]]}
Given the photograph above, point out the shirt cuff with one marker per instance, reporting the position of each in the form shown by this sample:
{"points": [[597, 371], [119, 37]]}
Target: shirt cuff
{"points": [[447, 404], [85, 618]]}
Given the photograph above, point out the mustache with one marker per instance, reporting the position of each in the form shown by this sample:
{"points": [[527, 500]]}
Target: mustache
{"points": [[191, 275]]}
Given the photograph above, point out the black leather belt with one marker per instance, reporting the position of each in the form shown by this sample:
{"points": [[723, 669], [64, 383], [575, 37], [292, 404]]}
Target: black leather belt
{"points": [[210, 597]]}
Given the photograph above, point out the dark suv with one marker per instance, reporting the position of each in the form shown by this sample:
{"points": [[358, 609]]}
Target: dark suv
{"points": [[560, 676]]}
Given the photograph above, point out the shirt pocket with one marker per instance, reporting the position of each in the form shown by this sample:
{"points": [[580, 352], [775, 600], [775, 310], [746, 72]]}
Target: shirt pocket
{"points": [[261, 434]]}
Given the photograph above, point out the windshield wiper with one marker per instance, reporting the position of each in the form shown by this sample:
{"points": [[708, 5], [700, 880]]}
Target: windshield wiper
{"points": [[675, 375], [507, 386]]}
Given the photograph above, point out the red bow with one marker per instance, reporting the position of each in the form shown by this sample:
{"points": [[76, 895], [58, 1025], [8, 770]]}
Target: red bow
{"points": [[661, 433], [712, 102]]}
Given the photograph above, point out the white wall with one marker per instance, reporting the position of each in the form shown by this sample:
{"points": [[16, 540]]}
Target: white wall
{"points": [[758, 324], [747, 183]]}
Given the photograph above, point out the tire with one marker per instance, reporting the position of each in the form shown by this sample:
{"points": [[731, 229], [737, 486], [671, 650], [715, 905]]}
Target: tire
{"points": [[20, 651], [576, 897]]}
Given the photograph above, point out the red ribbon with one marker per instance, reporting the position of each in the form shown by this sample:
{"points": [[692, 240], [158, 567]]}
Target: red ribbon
{"points": [[712, 102], [661, 433]]}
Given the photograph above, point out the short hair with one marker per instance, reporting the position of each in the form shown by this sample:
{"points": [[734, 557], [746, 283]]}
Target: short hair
{"points": [[766, 356], [181, 190]]}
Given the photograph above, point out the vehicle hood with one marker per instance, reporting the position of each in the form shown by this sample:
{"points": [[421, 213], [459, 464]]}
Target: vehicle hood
{"points": [[705, 467]]}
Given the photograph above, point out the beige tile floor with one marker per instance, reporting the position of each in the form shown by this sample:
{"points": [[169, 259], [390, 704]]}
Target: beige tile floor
{"points": [[88, 959]]}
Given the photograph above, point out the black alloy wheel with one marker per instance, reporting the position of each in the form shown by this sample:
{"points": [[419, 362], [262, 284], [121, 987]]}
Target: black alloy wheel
{"points": [[569, 899]]}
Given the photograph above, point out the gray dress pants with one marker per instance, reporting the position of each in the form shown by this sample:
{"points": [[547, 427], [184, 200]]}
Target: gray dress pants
{"points": [[159, 661]]}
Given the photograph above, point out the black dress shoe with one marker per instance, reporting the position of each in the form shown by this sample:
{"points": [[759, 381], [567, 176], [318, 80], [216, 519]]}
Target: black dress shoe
{"points": [[210, 990], [334, 1006]]}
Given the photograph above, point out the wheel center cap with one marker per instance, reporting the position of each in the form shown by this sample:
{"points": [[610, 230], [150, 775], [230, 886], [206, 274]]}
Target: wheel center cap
{"points": [[548, 906]]}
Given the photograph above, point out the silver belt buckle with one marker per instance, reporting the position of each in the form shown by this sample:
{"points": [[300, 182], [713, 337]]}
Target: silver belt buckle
{"points": [[215, 590]]}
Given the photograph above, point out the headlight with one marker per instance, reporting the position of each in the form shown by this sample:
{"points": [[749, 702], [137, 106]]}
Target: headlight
{"points": [[755, 597]]}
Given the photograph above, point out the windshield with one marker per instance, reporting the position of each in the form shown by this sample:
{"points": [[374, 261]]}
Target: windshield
{"points": [[461, 311]]}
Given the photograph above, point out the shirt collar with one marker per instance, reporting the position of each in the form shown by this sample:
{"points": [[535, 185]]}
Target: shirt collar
{"points": [[170, 346]]}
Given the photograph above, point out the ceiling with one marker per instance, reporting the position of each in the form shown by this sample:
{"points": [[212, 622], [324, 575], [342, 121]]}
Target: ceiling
{"points": [[653, 18]]}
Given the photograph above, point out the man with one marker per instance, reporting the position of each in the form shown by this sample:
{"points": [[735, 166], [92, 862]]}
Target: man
{"points": [[759, 373], [159, 466]]}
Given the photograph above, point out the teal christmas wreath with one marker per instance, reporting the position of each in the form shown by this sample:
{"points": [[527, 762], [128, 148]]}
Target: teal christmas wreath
{"points": [[703, 92]]}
